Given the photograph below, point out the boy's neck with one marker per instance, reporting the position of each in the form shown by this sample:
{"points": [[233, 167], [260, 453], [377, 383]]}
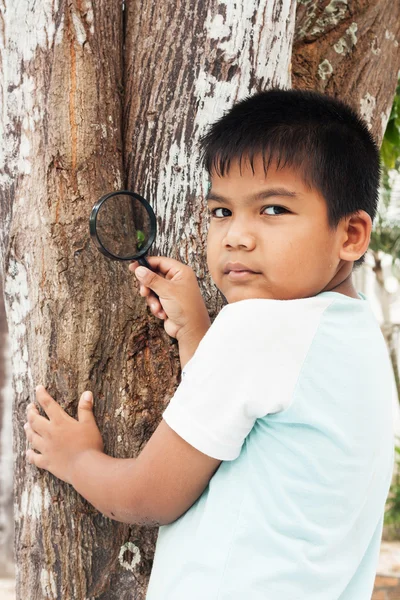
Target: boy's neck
{"points": [[345, 287]]}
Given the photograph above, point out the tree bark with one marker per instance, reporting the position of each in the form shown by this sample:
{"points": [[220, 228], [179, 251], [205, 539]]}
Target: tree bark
{"points": [[71, 314], [83, 84], [350, 49]]}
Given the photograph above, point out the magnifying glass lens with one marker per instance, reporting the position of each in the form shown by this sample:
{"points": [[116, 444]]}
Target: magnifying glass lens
{"points": [[123, 225]]}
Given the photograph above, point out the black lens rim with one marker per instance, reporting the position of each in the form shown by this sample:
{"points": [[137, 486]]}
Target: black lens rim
{"points": [[93, 225]]}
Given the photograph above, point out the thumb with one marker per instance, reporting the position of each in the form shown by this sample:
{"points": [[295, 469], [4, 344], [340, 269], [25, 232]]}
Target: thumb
{"points": [[151, 280], [85, 407]]}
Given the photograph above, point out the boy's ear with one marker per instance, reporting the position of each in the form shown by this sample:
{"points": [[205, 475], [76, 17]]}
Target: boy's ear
{"points": [[356, 229]]}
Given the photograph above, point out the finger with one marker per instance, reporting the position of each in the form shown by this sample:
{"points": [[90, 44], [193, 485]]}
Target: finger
{"points": [[160, 285], [36, 441], [32, 408], [165, 266], [36, 459], [85, 408], [155, 306], [29, 431], [38, 423], [144, 291], [133, 265], [49, 405]]}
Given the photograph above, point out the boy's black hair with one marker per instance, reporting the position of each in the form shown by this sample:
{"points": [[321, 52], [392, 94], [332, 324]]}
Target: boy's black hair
{"points": [[321, 136]]}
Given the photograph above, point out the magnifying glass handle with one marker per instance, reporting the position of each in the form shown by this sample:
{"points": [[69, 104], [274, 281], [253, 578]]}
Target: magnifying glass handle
{"points": [[143, 263]]}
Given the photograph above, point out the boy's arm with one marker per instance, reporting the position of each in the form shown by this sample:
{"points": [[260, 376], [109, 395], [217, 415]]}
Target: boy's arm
{"points": [[188, 344], [169, 474], [155, 488]]}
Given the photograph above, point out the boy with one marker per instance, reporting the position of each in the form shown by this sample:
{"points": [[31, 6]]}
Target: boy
{"points": [[270, 469]]}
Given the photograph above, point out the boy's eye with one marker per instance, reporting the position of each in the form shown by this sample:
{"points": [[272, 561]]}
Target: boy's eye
{"points": [[220, 212], [274, 206]]}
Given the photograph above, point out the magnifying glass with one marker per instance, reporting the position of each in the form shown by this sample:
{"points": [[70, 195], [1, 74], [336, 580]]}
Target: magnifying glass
{"points": [[123, 226]]}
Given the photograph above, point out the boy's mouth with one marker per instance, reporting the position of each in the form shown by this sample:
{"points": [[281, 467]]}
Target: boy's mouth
{"points": [[237, 268], [240, 275], [237, 271]]}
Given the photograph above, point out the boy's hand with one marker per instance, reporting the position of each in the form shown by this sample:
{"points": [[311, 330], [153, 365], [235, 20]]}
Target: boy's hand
{"points": [[60, 439], [179, 303]]}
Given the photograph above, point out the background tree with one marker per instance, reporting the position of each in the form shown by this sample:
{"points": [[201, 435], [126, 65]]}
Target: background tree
{"points": [[385, 238], [6, 458], [99, 96]]}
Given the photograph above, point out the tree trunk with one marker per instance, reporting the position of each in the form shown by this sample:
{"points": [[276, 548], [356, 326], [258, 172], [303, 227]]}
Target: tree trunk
{"points": [[94, 99], [389, 330], [350, 49]]}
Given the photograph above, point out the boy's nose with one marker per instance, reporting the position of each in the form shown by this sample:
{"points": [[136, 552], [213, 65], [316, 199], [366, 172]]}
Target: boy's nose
{"points": [[238, 238]]}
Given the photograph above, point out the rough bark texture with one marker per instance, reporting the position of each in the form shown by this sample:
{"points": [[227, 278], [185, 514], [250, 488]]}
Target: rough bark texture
{"points": [[73, 316], [350, 49], [76, 96]]}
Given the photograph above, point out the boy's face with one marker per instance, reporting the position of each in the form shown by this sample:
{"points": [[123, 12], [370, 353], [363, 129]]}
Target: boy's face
{"points": [[276, 227]]}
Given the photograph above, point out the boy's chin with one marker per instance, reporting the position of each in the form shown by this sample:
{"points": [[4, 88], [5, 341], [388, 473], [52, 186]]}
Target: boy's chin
{"points": [[238, 294]]}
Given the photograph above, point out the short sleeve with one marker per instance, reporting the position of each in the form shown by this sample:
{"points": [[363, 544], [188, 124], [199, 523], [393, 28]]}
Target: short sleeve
{"points": [[244, 368]]}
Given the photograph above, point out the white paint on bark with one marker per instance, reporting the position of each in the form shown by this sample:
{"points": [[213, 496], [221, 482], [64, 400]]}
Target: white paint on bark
{"points": [[135, 560], [60, 32], [16, 286], [325, 69], [367, 107], [27, 26], [217, 28], [15, 147], [34, 501], [231, 27], [88, 9], [18, 307], [48, 584], [80, 33], [32, 24]]}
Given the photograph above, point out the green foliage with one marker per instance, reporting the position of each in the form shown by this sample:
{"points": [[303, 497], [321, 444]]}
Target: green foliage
{"points": [[390, 149], [385, 236], [140, 237]]}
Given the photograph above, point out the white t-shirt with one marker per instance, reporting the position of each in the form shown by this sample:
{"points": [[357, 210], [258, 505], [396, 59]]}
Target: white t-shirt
{"points": [[294, 396]]}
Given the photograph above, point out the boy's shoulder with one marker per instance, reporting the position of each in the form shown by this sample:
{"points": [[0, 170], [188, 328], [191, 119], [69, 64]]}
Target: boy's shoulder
{"points": [[256, 306], [256, 311], [245, 326], [251, 322]]}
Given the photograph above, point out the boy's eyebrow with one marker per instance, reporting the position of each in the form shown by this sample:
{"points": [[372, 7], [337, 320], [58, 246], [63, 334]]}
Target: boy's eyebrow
{"points": [[280, 191]]}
